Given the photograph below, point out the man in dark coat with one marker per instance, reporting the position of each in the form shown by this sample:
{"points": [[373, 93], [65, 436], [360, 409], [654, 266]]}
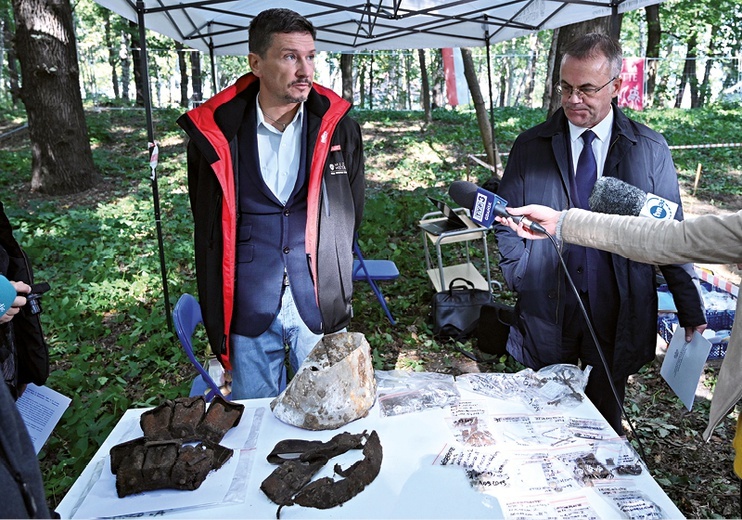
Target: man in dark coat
{"points": [[276, 184], [619, 295]]}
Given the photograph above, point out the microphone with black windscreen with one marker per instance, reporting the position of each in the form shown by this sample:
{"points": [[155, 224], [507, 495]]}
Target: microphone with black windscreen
{"points": [[616, 197], [485, 205]]}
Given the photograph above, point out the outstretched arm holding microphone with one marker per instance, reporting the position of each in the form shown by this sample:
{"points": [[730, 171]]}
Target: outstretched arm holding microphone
{"points": [[707, 238]]}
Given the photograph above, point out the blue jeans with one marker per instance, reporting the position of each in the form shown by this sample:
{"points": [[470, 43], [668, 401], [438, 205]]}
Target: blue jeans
{"points": [[258, 363]]}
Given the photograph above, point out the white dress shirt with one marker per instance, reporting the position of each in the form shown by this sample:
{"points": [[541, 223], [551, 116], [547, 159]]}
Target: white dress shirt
{"points": [[601, 144], [279, 153]]}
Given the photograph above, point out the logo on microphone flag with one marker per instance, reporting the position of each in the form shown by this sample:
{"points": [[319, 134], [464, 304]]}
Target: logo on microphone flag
{"points": [[484, 203], [659, 208]]}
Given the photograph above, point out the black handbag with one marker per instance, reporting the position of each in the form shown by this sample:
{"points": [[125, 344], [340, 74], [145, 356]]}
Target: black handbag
{"points": [[493, 328], [455, 311]]}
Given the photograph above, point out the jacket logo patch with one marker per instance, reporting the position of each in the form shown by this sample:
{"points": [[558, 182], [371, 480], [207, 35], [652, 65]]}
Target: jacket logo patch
{"points": [[323, 137], [335, 148], [337, 168]]}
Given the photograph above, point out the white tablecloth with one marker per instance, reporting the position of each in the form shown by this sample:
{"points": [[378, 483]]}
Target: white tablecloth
{"points": [[411, 484]]}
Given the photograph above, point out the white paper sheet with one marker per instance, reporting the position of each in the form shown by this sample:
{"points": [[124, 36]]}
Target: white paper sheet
{"points": [[41, 408], [683, 365]]}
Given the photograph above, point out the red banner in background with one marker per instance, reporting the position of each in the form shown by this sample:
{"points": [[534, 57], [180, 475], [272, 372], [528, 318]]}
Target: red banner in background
{"points": [[632, 89], [449, 71]]}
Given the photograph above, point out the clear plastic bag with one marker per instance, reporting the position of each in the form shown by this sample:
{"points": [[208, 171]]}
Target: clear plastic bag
{"points": [[400, 392], [552, 386]]}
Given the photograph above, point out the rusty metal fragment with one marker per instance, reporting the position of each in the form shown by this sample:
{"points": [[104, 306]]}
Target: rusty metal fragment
{"points": [[162, 459], [334, 386], [315, 450], [290, 483], [167, 465], [288, 479], [218, 420], [326, 492]]}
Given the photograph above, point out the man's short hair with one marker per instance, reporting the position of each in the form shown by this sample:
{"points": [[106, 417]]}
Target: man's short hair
{"points": [[596, 44], [272, 21]]}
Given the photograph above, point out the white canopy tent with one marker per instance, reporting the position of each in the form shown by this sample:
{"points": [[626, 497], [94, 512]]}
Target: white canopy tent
{"points": [[219, 27]]}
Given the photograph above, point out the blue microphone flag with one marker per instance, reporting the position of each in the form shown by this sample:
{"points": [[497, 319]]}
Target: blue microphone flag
{"points": [[482, 211], [7, 295]]}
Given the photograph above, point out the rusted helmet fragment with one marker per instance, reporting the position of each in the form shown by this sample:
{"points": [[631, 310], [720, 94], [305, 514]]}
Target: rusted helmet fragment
{"points": [[334, 386]]}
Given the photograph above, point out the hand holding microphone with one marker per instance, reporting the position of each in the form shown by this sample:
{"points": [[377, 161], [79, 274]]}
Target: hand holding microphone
{"points": [[543, 216], [11, 298], [485, 206]]}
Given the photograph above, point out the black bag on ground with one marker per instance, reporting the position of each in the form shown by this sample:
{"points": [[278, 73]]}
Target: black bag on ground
{"points": [[493, 328], [456, 311]]}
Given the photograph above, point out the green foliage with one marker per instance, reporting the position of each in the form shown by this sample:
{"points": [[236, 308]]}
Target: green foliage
{"points": [[104, 317], [716, 124]]}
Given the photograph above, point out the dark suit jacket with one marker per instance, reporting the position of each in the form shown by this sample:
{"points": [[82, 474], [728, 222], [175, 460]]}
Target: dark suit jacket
{"points": [[538, 172]]}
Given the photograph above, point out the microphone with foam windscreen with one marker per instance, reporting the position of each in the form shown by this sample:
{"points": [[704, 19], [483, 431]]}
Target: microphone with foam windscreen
{"points": [[7, 295], [485, 205], [616, 197]]}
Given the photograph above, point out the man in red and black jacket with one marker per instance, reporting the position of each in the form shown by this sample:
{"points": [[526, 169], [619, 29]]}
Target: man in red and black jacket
{"points": [[276, 183]]}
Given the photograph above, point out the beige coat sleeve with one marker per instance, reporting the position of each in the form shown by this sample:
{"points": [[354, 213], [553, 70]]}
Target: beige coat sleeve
{"points": [[708, 239]]}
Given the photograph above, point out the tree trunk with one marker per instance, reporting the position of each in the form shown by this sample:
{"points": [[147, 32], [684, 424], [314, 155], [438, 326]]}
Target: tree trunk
{"points": [[12, 62], [45, 41], [183, 67], [438, 80], [409, 64], [503, 89], [705, 88], [691, 63], [136, 62], [198, 94], [731, 66], [425, 85], [362, 82], [550, 67], [111, 52], [371, 82], [530, 79], [346, 73], [604, 25], [689, 74], [485, 128], [654, 34], [125, 64]]}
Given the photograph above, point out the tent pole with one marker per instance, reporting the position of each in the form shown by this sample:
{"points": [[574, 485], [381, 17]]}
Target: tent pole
{"points": [[615, 30], [492, 104], [213, 67], [151, 145]]}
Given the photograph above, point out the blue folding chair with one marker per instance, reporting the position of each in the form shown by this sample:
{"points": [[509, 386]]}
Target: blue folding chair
{"points": [[186, 317], [372, 271]]}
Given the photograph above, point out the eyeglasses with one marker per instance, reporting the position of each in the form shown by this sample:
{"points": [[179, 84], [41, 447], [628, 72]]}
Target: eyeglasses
{"points": [[567, 90]]}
